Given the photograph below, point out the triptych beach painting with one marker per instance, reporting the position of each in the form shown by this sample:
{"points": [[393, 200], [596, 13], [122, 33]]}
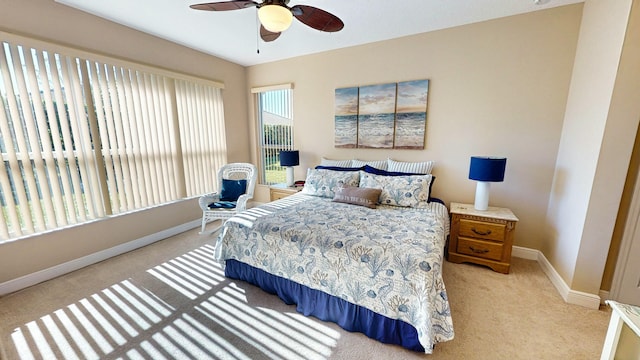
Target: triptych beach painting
{"points": [[385, 116]]}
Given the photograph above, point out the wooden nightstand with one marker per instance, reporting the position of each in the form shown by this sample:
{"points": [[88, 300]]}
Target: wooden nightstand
{"points": [[482, 237], [279, 191]]}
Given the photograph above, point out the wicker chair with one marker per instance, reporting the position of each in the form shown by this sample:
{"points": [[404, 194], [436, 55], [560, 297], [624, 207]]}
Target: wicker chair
{"points": [[234, 171]]}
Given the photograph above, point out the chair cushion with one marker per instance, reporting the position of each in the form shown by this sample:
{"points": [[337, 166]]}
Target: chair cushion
{"points": [[232, 189], [222, 205]]}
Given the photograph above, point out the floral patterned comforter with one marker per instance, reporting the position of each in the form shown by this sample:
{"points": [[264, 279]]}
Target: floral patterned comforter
{"points": [[388, 260]]}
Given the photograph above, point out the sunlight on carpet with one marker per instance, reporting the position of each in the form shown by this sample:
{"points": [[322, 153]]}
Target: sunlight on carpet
{"points": [[191, 274], [129, 320]]}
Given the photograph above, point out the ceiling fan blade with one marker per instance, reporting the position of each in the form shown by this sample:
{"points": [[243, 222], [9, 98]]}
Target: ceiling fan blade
{"points": [[267, 35], [317, 18], [224, 5]]}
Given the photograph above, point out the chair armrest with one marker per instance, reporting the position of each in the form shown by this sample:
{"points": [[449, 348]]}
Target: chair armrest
{"points": [[241, 204], [207, 199]]}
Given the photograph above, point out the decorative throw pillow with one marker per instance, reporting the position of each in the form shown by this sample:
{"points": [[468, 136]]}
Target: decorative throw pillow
{"points": [[232, 189], [405, 190], [322, 182], [424, 167], [378, 164], [339, 163], [372, 170], [358, 196]]}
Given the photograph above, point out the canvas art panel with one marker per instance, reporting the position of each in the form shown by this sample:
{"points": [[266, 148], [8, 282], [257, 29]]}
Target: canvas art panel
{"points": [[376, 116], [411, 114], [346, 118]]}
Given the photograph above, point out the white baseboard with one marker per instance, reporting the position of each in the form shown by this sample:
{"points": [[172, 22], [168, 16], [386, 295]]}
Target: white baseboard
{"points": [[75, 264], [591, 301], [525, 253]]}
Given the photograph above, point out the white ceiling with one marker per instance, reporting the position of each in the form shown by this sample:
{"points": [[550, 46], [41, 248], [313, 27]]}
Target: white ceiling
{"points": [[233, 35]]}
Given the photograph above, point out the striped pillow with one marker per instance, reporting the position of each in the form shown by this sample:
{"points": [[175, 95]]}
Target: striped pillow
{"points": [[378, 164], [410, 167], [338, 163]]}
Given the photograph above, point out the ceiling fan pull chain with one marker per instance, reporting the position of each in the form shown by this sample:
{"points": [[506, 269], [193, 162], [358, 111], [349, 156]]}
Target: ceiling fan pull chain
{"points": [[257, 34]]}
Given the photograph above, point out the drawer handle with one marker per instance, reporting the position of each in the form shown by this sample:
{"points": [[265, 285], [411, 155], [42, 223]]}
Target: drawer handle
{"points": [[482, 233], [478, 251]]}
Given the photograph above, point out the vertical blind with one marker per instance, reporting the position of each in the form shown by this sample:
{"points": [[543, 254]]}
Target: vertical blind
{"points": [[203, 139], [83, 139], [275, 120]]}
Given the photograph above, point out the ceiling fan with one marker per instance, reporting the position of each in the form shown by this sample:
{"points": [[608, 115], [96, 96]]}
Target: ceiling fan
{"points": [[276, 16]]}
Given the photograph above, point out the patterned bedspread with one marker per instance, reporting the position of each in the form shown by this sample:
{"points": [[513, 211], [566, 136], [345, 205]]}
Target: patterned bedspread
{"points": [[388, 260]]}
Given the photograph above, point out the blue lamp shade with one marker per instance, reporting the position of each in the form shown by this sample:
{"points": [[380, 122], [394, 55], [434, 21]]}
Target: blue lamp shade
{"points": [[487, 168], [289, 158]]}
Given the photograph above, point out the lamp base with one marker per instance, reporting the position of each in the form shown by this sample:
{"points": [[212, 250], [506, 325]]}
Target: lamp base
{"points": [[289, 176], [482, 195]]}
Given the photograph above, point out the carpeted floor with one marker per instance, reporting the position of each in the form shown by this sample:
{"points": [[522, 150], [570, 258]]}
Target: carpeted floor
{"points": [[169, 300]]}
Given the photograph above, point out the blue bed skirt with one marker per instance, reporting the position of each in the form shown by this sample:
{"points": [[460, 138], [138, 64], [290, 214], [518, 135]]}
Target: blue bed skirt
{"points": [[328, 308]]}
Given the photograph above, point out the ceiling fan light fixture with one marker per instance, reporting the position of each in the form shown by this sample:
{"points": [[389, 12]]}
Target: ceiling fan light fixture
{"points": [[275, 18]]}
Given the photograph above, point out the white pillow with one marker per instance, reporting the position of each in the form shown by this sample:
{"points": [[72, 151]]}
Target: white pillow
{"points": [[410, 167], [378, 164], [338, 163], [324, 183], [405, 190]]}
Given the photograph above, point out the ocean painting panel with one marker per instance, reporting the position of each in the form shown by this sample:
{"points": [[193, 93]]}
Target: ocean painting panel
{"points": [[411, 114], [346, 118], [376, 116]]}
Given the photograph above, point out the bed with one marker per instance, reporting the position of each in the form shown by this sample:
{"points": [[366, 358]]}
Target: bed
{"points": [[372, 268]]}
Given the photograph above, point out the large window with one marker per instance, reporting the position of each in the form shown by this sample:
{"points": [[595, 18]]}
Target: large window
{"points": [[85, 136], [275, 122]]}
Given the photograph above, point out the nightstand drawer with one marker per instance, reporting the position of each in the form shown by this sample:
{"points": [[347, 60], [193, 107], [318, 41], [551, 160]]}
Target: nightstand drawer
{"points": [[482, 230], [277, 195], [279, 191], [480, 248]]}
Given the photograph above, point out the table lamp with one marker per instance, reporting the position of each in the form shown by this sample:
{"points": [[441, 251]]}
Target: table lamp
{"points": [[288, 159], [485, 170]]}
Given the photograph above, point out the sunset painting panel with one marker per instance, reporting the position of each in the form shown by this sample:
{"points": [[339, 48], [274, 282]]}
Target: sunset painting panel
{"points": [[376, 115], [411, 114], [346, 118]]}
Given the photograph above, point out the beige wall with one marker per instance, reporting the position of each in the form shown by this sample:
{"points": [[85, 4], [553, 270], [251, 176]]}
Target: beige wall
{"points": [[622, 121], [497, 88], [45, 19], [29, 255], [597, 141]]}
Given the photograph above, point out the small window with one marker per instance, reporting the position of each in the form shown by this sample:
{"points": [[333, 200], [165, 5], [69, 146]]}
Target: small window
{"points": [[275, 122]]}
